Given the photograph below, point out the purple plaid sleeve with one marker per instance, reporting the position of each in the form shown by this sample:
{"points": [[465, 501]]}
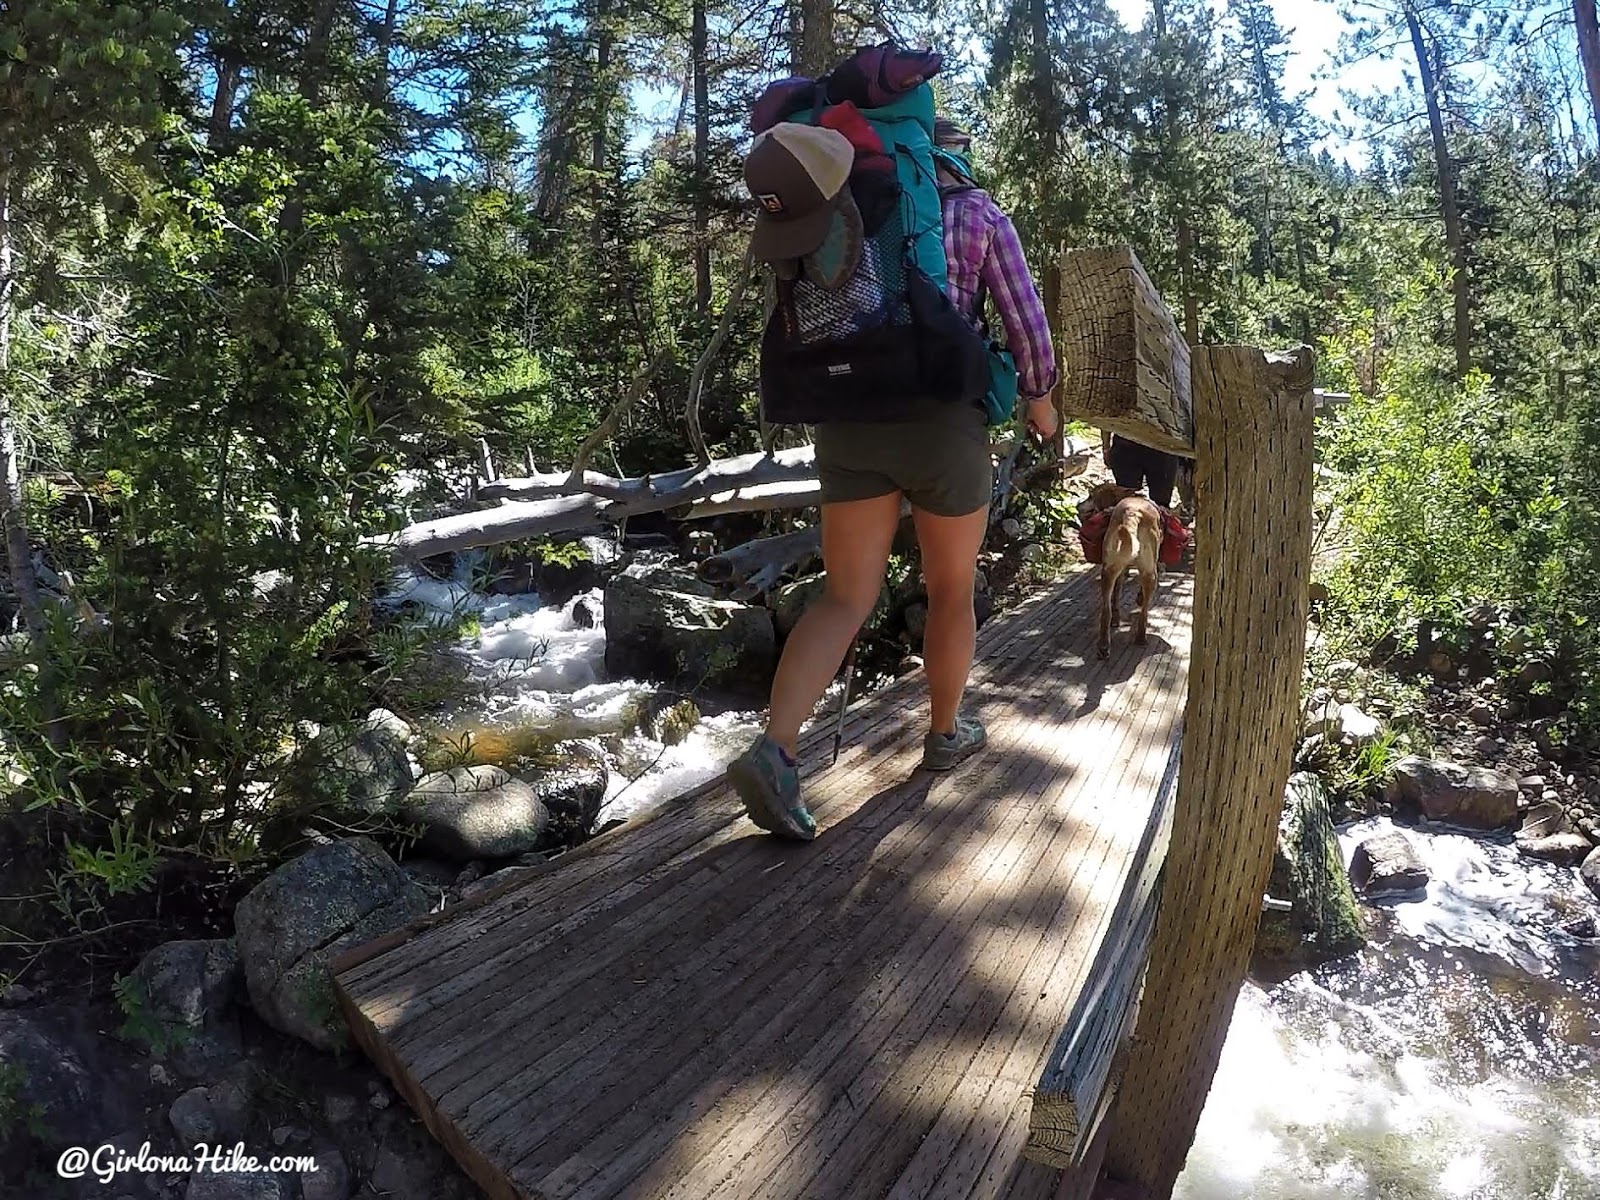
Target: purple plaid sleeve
{"points": [[981, 244]]}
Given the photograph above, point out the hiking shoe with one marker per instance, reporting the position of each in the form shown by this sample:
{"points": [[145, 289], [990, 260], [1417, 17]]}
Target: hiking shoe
{"points": [[769, 785], [941, 751]]}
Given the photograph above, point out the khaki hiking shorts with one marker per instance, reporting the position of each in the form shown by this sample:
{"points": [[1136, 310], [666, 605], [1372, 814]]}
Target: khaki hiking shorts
{"points": [[941, 465]]}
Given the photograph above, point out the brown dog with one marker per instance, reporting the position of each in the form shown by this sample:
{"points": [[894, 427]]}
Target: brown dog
{"points": [[1132, 543]]}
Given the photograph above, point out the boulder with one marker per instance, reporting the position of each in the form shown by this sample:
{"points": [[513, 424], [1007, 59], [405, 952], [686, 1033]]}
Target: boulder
{"points": [[403, 1172], [1542, 820], [1321, 714], [1563, 849], [189, 989], [573, 791], [1308, 871], [365, 769], [1481, 714], [1387, 862], [1534, 673], [663, 575], [382, 718], [477, 812], [1590, 870], [1446, 791], [308, 911], [329, 1181], [206, 1184], [215, 1115], [63, 1082], [685, 639], [559, 583], [1356, 728]]}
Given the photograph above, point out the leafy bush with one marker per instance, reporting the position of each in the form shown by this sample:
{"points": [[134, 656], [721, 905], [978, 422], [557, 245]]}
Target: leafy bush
{"points": [[1447, 500]]}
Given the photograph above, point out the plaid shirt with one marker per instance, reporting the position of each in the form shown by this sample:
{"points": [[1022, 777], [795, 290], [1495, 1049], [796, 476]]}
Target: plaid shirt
{"points": [[981, 243]]}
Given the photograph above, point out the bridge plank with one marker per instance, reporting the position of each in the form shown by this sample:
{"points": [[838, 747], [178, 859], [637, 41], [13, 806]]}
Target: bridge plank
{"points": [[688, 1008]]}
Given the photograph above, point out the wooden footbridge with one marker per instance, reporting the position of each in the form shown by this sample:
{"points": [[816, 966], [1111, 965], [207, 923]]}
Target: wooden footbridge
{"points": [[1009, 981]]}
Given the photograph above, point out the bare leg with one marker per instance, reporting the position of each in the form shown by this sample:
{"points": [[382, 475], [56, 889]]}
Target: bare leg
{"points": [[949, 560], [856, 537]]}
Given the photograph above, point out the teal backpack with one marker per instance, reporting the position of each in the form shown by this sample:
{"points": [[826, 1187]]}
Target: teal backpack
{"points": [[865, 332]]}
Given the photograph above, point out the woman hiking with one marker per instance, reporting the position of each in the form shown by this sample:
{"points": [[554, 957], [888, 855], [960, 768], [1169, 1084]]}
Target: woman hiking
{"points": [[939, 461]]}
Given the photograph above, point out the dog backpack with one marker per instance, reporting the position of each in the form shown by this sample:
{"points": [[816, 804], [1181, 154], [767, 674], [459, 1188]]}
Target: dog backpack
{"points": [[1175, 537], [861, 329]]}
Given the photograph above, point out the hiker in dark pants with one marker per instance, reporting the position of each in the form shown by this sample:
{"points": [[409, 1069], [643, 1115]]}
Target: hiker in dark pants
{"points": [[1138, 466]]}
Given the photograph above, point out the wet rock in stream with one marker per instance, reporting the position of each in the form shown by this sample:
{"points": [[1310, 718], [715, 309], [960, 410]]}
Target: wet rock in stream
{"points": [[477, 812], [660, 625]]}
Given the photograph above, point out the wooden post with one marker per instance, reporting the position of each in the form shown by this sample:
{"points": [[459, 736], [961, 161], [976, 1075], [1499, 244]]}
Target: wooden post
{"points": [[1253, 477], [1124, 364]]}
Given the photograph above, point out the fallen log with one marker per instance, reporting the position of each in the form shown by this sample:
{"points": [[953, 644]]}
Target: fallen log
{"points": [[601, 501], [652, 493], [765, 497], [566, 515], [784, 551], [550, 504]]}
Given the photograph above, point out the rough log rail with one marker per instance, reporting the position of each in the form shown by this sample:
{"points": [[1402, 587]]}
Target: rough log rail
{"points": [[689, 1008]]}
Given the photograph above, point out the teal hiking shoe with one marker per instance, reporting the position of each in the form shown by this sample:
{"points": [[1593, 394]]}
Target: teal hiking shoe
{"points": [[770, 789], [942, 751]]}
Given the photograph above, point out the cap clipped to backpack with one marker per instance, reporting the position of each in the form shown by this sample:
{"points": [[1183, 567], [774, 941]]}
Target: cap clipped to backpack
{"points": [[797, 173]]}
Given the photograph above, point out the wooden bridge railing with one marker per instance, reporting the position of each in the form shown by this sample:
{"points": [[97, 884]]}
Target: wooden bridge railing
{"points": [[1131, 1074]]}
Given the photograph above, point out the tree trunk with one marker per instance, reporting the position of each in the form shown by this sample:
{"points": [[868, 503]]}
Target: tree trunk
{"points": [[1191, 303], [292, 219], [702, 161], [222, 100], [1453, 236], [1043, 87], [1583, 12], [811, 34], [18, 554], [604, 43], [385, 47]]}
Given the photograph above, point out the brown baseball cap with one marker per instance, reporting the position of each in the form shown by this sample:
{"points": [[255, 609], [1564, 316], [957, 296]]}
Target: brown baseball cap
{"points": [[796, 173]]}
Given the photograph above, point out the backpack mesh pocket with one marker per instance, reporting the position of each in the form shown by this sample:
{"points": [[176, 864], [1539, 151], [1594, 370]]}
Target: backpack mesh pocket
{"points": [[873, 296]]}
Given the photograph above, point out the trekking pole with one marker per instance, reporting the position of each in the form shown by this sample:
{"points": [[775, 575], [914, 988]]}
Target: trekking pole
{"points": [[844, 696]]}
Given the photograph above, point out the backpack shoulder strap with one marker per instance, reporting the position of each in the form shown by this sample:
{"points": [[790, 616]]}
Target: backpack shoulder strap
{"points": [[980, 298]]}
